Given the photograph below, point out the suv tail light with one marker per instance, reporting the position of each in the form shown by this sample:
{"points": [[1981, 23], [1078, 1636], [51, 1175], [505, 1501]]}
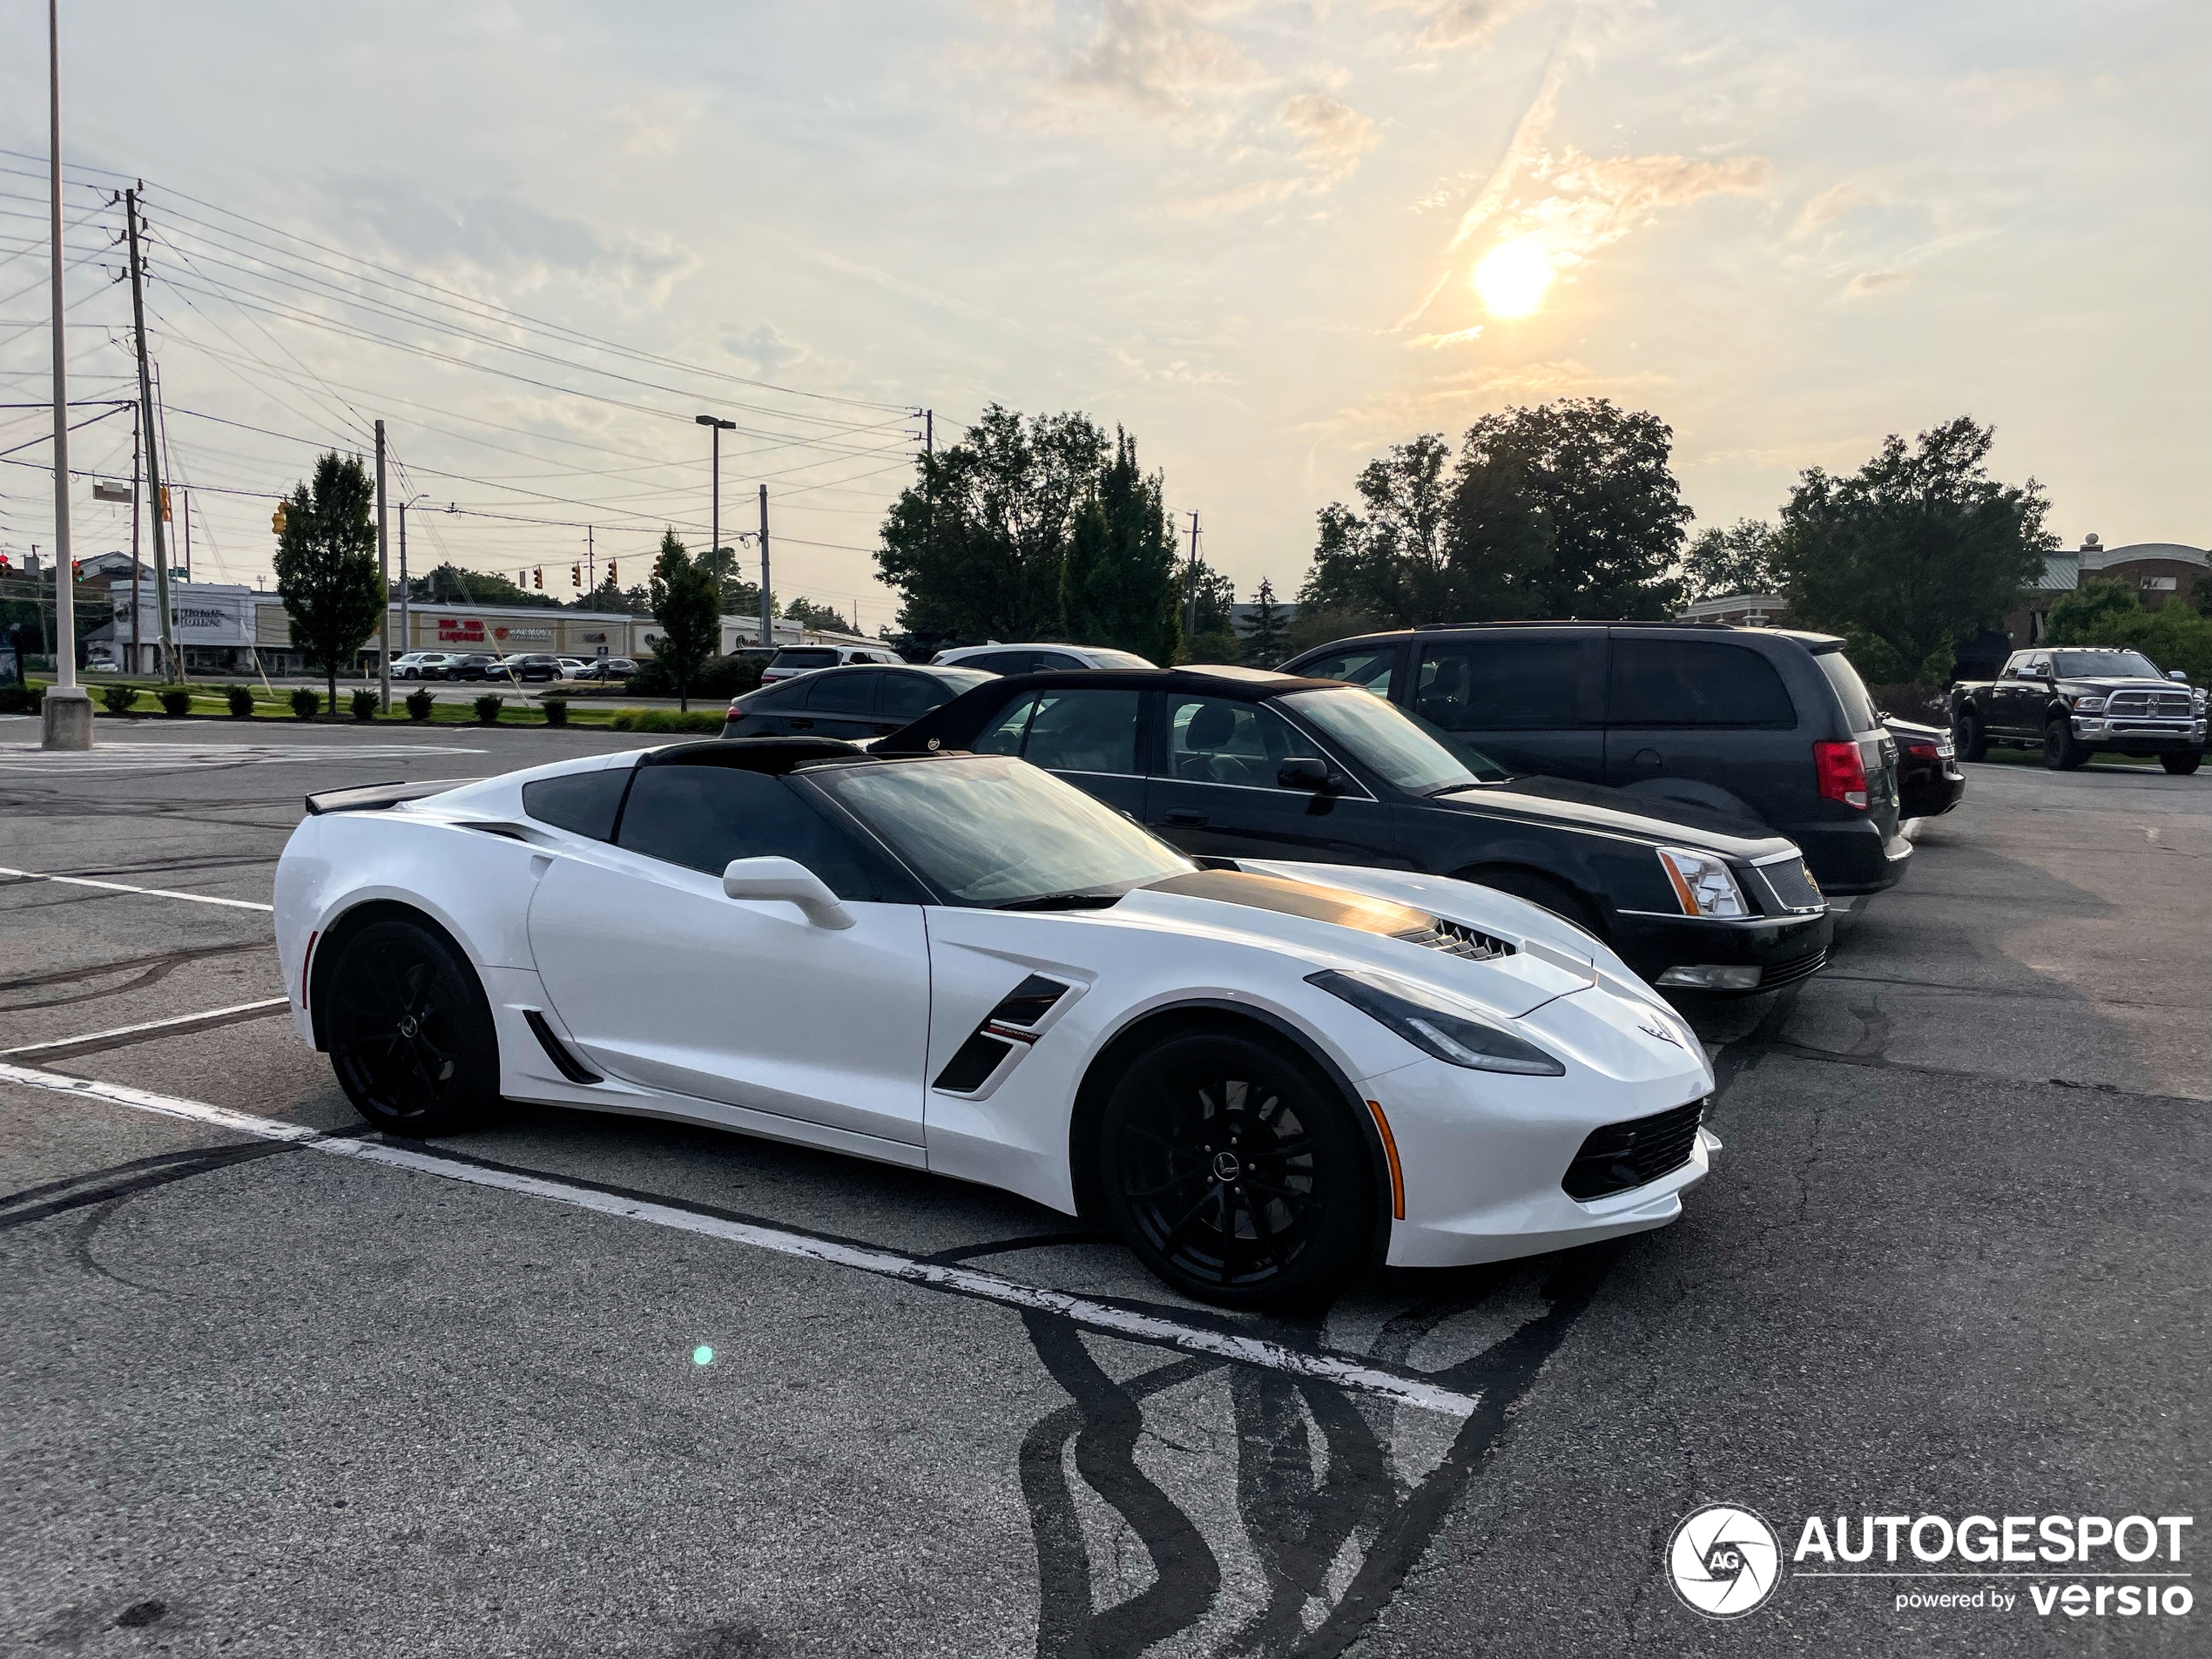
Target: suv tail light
{"points": [[735, 715], [1842, 772]]}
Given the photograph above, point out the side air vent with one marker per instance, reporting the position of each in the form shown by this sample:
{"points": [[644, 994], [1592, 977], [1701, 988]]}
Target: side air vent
{"points": [[568, 1066], [1455, 940], [1028, 1002], [971, 1068], [1010, 1025]]}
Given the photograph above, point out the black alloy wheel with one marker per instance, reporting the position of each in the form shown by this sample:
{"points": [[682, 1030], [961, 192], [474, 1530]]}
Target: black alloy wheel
{"points": [[2060, 751], [1236, 1175], [409, 1031], [1970, 742], [2182, 764]]}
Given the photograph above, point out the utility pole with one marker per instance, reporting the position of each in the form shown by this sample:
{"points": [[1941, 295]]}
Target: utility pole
{"points": [[929, 433], [1190, 603], [406, 632], [717, 426], [184, 517], [153, 445], [137, 500], [68, 709], [768, 606], [384, 585]]}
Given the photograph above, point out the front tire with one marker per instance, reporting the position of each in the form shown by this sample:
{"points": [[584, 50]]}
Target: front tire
{"points": [[2060, 751], [1236, 1174], [1972, 741], [2182, 764], [409, 1031]]}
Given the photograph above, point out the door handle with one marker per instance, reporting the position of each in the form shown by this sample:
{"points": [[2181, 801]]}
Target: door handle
{"points": [[1185, 816]]}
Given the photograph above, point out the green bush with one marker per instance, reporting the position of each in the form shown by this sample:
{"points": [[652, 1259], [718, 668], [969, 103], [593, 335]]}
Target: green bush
{"points": [[667, 720], [118, 700], [241, 701], [419, 704], [365, 705], [2105, 611], [305, 704], [488, 708], [176, 703], [22, 699], [722, 677], [557, 710]]}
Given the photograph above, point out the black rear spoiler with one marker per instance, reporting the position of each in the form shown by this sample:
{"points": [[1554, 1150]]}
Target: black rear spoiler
{"points": [[370, 798]]}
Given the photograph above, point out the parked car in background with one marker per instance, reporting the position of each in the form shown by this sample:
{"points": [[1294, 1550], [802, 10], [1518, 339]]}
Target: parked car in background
{"points": [[1235, 763], [474, 665], [804, 659], [422, 665], [571, 666], [1759, 723], [1929, 783], [2073, 704], [1036, 659], [865, 700], [607, 668], [531, 666]]}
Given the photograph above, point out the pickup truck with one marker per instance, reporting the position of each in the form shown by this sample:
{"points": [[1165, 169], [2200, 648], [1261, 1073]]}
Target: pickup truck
{"points": [[2074, 703]]}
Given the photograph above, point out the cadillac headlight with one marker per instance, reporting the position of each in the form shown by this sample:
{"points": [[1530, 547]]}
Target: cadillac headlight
{"points": [[1451, 1032], [1704, 885]]}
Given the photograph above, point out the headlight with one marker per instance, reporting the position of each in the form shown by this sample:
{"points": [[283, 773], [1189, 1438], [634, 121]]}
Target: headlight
{"points": [[2087, 705], [1436, 1027], [1704, 885]]}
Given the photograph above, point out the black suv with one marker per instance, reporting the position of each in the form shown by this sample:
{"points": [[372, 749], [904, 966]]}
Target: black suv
{"points": [[1758, 723]]}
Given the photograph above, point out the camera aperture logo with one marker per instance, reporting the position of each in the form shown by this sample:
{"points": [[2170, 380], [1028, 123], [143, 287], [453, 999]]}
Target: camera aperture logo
{"points": [[1724, 1562]]}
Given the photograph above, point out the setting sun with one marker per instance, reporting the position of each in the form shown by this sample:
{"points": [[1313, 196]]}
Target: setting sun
{"points": [[1512, 277]]}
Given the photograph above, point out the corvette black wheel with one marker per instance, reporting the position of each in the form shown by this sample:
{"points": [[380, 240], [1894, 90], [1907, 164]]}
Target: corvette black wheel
{"points": [[1236, 1175], [410, 1034]]}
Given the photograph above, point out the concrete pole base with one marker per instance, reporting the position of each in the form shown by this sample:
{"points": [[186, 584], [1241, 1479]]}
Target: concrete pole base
{"points": [[69, 719]]}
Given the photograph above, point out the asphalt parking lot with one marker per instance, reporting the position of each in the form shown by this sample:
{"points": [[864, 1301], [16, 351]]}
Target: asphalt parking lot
{"points": [[261, 1400]]}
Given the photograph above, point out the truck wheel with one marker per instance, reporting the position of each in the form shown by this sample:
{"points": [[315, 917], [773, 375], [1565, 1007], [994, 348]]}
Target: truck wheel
{"points": [[2060, 751], [1973, 743], [2181, 766]]}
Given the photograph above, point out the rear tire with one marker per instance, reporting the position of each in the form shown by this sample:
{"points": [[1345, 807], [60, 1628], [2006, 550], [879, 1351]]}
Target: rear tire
{"points": [[409, 1031], [1236, 1173], [2181, 765], [2060, 751], [1972, 741]]}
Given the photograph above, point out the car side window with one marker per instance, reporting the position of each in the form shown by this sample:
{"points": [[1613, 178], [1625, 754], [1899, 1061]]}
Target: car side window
{"points": [[586, 802], [1001, 662], [1694, 682], [1046, 660], [1212, 740], [784, 694], [1369, 667], [1505, 684], [1083, 731], [702, 817], [846, 692], [907, 697]]}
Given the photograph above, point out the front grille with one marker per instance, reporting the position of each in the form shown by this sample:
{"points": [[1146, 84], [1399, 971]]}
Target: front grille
{"points": [[1622, 1156], [1455, 940], [1790, 973], [1791, 879], [2148, 705]]}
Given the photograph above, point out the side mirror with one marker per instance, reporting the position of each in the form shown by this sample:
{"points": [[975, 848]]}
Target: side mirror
{"points": [[789, 881], [2181, 675], [1308, 772]]}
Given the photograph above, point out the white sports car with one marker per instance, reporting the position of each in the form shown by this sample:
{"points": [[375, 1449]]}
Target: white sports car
{"points": [[1267, 1078]]}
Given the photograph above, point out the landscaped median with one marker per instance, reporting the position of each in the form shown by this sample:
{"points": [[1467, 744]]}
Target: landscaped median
{"points": [[137, 700]]}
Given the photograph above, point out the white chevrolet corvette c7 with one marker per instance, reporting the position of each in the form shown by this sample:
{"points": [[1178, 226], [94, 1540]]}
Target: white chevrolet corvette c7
{"points": [[1266, 1076]]}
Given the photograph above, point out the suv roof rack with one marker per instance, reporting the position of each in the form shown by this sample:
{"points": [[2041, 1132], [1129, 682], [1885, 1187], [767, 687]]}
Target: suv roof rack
{"points": [[1573, 622]]}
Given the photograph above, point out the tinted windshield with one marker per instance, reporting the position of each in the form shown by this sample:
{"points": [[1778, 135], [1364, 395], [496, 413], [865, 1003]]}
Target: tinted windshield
{"points": [[1851, 691], [1410, 753], [816, 659], [2104, 665], [992, 830]]}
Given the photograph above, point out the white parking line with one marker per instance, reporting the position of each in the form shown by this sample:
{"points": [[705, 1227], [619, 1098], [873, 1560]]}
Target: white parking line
{"points": [[149, 892], [888, 1263], [175, 1025], [168, 757]]}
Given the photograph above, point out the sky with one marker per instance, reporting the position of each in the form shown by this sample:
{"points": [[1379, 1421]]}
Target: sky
{"points": [[1251, 233]]}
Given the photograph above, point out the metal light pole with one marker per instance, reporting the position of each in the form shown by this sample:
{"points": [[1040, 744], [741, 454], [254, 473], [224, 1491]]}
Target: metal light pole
{"points": [[406, 633], [718, 427], [68, 707]]}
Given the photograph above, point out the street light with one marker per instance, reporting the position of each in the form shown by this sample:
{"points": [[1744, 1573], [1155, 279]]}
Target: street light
{"points": [[407, 634], [718, 427]]}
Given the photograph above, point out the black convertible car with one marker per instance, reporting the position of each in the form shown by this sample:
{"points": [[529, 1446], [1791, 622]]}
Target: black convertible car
{"points": [[1233, 763]]}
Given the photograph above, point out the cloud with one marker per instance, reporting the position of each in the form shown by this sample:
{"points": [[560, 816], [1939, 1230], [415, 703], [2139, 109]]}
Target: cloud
{"points": [[1458, 23], [1831, 205], [1868, 282], [1595, 202], [768, 350], [1152, 57], [1469, 392], [1438, 342], [1332, 137], [492, 231]]}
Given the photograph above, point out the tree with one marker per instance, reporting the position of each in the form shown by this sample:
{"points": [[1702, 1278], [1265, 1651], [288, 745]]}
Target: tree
{"points": [[1033, 529], [1264, 645], [449, 584], [326, 565], [1920, 547], [691, 622], [607, 596], [1566, 509], [2106, 611], [1724, 562], [807, 614], [2092, 613]]}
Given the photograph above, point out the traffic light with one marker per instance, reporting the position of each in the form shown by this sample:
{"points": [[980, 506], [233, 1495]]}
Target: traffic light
{"points": [[277, 519], [610, 573], [576, 575], [76, 569], [537, 577], [165, 503]]}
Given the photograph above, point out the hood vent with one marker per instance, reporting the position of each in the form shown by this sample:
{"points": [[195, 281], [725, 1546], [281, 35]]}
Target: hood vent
{"points": [[1455, 940]]}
